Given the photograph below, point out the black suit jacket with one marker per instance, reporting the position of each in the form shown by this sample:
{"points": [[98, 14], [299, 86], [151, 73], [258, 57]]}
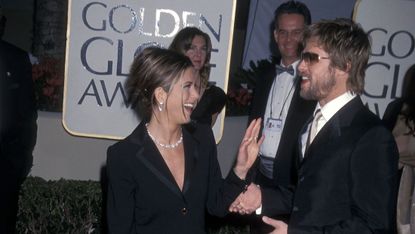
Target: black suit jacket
{"points": [[18, 112], [347, 179], [299, 112], [143, 196]]}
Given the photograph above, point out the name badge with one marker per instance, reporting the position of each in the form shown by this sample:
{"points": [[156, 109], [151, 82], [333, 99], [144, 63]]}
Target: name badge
{"points": [[274, 125]]}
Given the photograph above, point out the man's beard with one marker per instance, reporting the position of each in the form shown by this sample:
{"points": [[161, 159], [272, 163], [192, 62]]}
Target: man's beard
{"points": [[320, 89]]}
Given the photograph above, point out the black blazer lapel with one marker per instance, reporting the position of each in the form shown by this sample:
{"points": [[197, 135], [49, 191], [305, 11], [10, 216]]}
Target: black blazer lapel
{"points": [[299, 148], [299, 112], [262, 90], [334, 127], [191, 152], [149, 155], [329, 133]]}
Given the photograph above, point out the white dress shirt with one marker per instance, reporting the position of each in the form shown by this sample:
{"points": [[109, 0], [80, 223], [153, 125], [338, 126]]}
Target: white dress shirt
{"points": [[327, 111], [279, 97]]}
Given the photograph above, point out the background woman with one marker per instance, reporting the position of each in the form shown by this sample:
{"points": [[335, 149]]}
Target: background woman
{"points": [[197, 45], [163, 178], [399, 117]]}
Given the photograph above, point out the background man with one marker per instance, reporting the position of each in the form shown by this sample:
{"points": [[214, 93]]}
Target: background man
{"points": [[277, 100], [348, 171], [18, 128]]}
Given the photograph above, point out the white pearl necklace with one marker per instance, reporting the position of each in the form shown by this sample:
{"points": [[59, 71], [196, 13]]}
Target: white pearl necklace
{"points": [[167, 146]]}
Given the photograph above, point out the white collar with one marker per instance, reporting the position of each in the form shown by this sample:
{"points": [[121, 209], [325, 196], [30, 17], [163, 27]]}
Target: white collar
{"points": [[294, 65], [335, 105]]}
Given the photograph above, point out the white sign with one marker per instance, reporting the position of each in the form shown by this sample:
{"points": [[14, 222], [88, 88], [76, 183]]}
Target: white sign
{"points": [[390, 24], [103, 37]]}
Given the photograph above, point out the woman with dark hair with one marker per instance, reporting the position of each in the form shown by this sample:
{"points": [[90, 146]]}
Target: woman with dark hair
{"points": [[399, 117], [163, 178], [196, 45], [408, 97]]}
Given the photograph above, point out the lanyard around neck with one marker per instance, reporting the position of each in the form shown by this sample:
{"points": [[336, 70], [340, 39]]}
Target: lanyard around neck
{"points": [[286, 97]]}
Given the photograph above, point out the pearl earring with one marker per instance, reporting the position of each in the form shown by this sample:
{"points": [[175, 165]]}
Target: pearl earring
{"points": [[160, 106]]}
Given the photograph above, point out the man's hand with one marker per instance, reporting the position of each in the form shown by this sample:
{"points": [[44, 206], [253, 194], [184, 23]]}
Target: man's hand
{"points": [[248, 201], [280, 226]]}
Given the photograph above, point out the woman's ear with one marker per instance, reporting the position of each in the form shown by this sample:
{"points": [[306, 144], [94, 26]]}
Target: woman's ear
{"points": [[160, 95]]}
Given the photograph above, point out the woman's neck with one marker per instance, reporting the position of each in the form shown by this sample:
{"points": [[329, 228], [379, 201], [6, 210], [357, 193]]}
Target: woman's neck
{"points": [[163, 131]]}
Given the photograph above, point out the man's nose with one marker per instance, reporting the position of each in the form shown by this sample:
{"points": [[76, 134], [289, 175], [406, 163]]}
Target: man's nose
{"points": [[301, 66]]}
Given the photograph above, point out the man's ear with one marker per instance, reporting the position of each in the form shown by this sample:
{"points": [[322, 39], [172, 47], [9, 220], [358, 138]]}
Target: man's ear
{"points": [[276, 35], [160, 95], [343, 73], [346, 71], [348, 66]]}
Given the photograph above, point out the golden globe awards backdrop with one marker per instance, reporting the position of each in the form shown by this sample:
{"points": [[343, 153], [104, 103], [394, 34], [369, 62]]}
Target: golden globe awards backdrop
{"points": [[102, 38], [391, 26]]}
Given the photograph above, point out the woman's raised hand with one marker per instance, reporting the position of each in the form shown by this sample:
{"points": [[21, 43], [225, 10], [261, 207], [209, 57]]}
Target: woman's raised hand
{"points": [[248, 149]]}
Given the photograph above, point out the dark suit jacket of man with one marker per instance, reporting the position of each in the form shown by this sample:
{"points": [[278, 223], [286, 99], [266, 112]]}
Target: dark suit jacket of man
{"points": [[143, 196], [18, 128], [299, 112], [18, 115], [347, 180]]}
